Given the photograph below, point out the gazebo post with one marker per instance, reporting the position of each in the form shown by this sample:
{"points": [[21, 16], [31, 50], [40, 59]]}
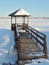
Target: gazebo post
{"points": [[15, 25], [11, 22], [23, 21], [15, 20], [27, 21]]}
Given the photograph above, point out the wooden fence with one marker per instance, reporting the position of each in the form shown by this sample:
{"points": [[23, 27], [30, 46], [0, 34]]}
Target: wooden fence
{"points": [[39, 37]]}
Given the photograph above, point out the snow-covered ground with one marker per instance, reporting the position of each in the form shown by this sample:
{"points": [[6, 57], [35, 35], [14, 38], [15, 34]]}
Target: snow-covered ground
{"points": [[38, 62], [7, 43], [7, 53]]}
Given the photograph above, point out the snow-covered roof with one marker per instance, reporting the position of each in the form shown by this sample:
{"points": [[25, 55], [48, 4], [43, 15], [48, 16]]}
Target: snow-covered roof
{"points": [[19, 12]]}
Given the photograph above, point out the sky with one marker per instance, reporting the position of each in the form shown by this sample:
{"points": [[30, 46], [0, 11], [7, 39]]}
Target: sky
{"points": [[37, 8]]}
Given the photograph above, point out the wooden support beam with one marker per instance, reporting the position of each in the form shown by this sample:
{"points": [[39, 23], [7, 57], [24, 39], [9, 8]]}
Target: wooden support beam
{"points": [[27, 20], [11, 23], [15, 20], [11, 20], [23, 20], [45, 46]]}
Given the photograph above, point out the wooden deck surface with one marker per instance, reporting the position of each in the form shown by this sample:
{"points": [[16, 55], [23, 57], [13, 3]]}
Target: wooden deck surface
{"points": [[27, 47]]}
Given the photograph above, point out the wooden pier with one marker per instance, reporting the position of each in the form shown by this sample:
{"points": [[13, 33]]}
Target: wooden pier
{"points": [[30, 43]]}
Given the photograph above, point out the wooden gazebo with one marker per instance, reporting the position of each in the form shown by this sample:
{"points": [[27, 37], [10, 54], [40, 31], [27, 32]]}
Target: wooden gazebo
{"points": [[30, 43], [19, 13]]}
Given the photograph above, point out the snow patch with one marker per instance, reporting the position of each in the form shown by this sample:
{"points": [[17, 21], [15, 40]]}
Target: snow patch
{"points": [[38, 29]]}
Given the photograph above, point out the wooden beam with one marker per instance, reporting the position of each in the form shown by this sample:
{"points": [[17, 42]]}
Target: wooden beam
{"points": [[11, 20], [15, 20], [11, 23], [23, 19], [27, 20]]}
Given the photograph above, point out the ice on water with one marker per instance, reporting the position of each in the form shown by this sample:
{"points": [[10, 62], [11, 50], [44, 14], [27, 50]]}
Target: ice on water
{"points": [[7, 43]]}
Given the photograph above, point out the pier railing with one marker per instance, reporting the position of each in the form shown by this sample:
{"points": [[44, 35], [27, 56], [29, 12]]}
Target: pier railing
{"points": [[40, 38]]}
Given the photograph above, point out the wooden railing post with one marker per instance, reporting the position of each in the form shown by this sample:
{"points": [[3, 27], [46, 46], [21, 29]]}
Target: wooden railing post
{"points": [[45, 46], [36, 40]]}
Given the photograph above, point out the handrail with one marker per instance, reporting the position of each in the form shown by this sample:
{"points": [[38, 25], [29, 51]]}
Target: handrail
{"points": [[39, 37], [34, 37], [37, 34], [37, 31]]}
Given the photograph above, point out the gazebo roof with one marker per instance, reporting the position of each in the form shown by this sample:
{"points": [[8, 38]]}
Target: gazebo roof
{"points": [[19, 13]]}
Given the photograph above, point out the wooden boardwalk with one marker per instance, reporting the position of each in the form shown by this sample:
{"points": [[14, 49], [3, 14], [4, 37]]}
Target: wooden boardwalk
{"points": [[30, 44], [28, 47]]}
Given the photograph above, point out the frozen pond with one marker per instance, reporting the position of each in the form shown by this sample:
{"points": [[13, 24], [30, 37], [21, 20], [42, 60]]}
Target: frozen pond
{"points": [[39, 24], [7, 54]]}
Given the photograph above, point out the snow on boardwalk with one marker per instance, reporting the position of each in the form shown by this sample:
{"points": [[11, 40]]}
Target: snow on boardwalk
{"points": [[39, 61], [7, 43]]}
